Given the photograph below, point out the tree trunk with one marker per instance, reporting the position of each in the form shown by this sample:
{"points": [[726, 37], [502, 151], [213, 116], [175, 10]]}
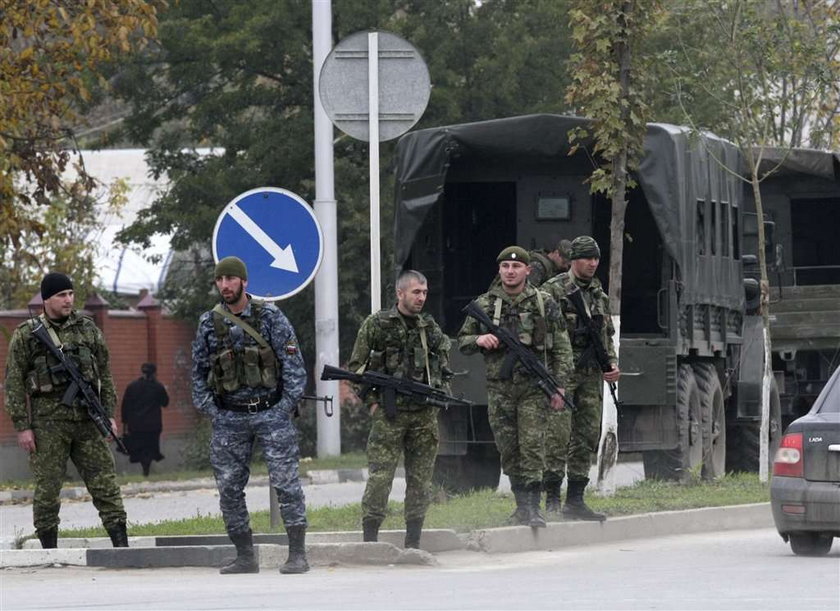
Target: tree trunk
{"points": [[764, 430]]}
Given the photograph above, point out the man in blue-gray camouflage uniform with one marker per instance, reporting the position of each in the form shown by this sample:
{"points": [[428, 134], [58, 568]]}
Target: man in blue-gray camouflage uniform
{"points": [[248, 375]]}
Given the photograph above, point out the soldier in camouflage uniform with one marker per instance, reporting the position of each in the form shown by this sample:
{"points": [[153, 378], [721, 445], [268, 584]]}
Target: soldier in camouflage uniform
{"points": [[52, 432], [518, 409], [402, 341], [545, 264], [248, 375], [586, 385]]}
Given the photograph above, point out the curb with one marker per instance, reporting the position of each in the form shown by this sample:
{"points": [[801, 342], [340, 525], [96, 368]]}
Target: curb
{"points": [[330, 548], [322, 549], [660, 524]]}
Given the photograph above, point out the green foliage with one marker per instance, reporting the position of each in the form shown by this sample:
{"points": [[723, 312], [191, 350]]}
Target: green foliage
{"points": [[757, 73], [608, 84], [196, 452], [239, 78], [67, 240]]}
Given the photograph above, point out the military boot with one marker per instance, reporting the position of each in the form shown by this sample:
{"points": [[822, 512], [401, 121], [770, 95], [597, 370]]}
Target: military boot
{"points": [[575, 508], [552, 496], [413, 529], [535, 518], [118, 534], [48, 538], [370, 530], [296, 563], [245, 561], [520, 516]]}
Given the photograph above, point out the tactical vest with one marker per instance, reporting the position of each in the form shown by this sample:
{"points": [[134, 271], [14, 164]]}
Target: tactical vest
{"points": [[417, 360], [249, 364], [593, 299], [42, 378], [531, 327]]}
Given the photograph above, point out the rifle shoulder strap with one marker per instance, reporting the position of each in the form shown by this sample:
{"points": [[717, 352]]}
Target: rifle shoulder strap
{"points": [[53, 335], [237, 320]]}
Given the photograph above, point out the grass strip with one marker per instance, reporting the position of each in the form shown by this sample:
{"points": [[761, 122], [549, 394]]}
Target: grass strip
{"points": [[482, 509]]}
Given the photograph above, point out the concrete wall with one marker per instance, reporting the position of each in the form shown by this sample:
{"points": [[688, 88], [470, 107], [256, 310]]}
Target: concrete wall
{"points": [[133, 337]]}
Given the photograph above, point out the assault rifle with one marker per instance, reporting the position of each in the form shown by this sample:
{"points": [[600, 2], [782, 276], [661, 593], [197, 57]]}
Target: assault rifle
{"points": [[596, 346], [517, 352], [390, 387], [78, 386]]}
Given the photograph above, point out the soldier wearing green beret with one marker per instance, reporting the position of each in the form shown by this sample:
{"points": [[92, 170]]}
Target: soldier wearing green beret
{"points": [[570, 451], [517, 408]]}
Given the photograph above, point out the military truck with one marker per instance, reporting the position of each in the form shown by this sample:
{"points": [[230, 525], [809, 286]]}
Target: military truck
{"points": [[801, 200], [691, 351]]}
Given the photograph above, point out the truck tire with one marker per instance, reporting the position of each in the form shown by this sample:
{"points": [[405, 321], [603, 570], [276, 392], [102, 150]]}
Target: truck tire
{"points": [[687, 458], [478, 468], [713, 413], [744, 438]]}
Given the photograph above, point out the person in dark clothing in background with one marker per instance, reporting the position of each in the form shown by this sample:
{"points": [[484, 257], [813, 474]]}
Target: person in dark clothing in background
{"points": [[141, 416]]}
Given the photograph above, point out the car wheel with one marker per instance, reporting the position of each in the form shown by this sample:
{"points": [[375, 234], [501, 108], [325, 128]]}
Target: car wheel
{"points": [[810, 544]]}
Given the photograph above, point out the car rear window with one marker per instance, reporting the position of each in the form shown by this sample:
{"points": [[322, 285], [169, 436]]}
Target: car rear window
{"points": [[829, 400]]}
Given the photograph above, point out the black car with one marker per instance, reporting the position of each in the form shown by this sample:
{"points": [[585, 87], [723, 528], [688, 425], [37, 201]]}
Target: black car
{"points": [[805, 489]]}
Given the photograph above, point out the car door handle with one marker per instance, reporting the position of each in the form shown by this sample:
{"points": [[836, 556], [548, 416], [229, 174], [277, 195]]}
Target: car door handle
{"points": [[834, 447]]}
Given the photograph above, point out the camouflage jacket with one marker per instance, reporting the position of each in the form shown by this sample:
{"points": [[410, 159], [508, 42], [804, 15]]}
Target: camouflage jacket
{"points": [[543, 333], [28, 371], [598, 303], [278, 332], [542, 268], [391, 343]]}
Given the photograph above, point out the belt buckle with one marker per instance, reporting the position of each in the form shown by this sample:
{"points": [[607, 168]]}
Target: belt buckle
{"points": [[254, 406]]}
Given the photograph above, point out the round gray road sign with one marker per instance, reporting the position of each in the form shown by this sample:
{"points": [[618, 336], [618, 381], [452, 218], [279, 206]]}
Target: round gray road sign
{"points": [[404, 85]]}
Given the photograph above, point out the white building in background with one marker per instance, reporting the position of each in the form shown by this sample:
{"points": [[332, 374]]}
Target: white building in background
{"points": [[127, 270]]}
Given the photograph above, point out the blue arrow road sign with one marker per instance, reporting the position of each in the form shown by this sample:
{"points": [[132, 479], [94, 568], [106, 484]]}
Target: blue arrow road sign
{"points": [[276, 234]]}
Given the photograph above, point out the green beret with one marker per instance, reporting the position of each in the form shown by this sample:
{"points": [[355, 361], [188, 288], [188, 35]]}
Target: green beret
{"points": [[564, 247], [585, 247], [514, 253], [231, 266]]}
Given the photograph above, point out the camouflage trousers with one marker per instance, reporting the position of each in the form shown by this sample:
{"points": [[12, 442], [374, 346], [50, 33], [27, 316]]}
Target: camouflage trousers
{"points": [[518, 411], [231, 447], [572, 440], [81, 442], [414, 435]]}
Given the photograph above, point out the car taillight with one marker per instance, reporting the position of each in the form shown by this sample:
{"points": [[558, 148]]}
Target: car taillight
{"points": [[788, 460]]}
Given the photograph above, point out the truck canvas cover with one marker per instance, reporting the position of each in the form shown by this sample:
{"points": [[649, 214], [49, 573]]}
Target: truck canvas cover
{"points": [[678, 169]]}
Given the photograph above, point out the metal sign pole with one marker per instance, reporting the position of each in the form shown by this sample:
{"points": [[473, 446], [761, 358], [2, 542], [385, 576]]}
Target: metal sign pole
{"points": [[373, 123], [326, 281]]}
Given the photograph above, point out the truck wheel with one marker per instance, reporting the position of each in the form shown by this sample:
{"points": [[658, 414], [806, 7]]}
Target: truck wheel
{"points": [[810, 543], [687, 457], [713, 415], [745, 438], [478, 468]]}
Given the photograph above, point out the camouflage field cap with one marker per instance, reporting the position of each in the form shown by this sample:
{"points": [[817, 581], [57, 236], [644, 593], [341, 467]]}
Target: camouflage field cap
{"points": [[514, 253], [585, 247], [564, 247], [231, 266]]}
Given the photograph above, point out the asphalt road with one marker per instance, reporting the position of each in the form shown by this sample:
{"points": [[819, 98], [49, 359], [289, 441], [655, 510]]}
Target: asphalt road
{"points": [[735, 570]]}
